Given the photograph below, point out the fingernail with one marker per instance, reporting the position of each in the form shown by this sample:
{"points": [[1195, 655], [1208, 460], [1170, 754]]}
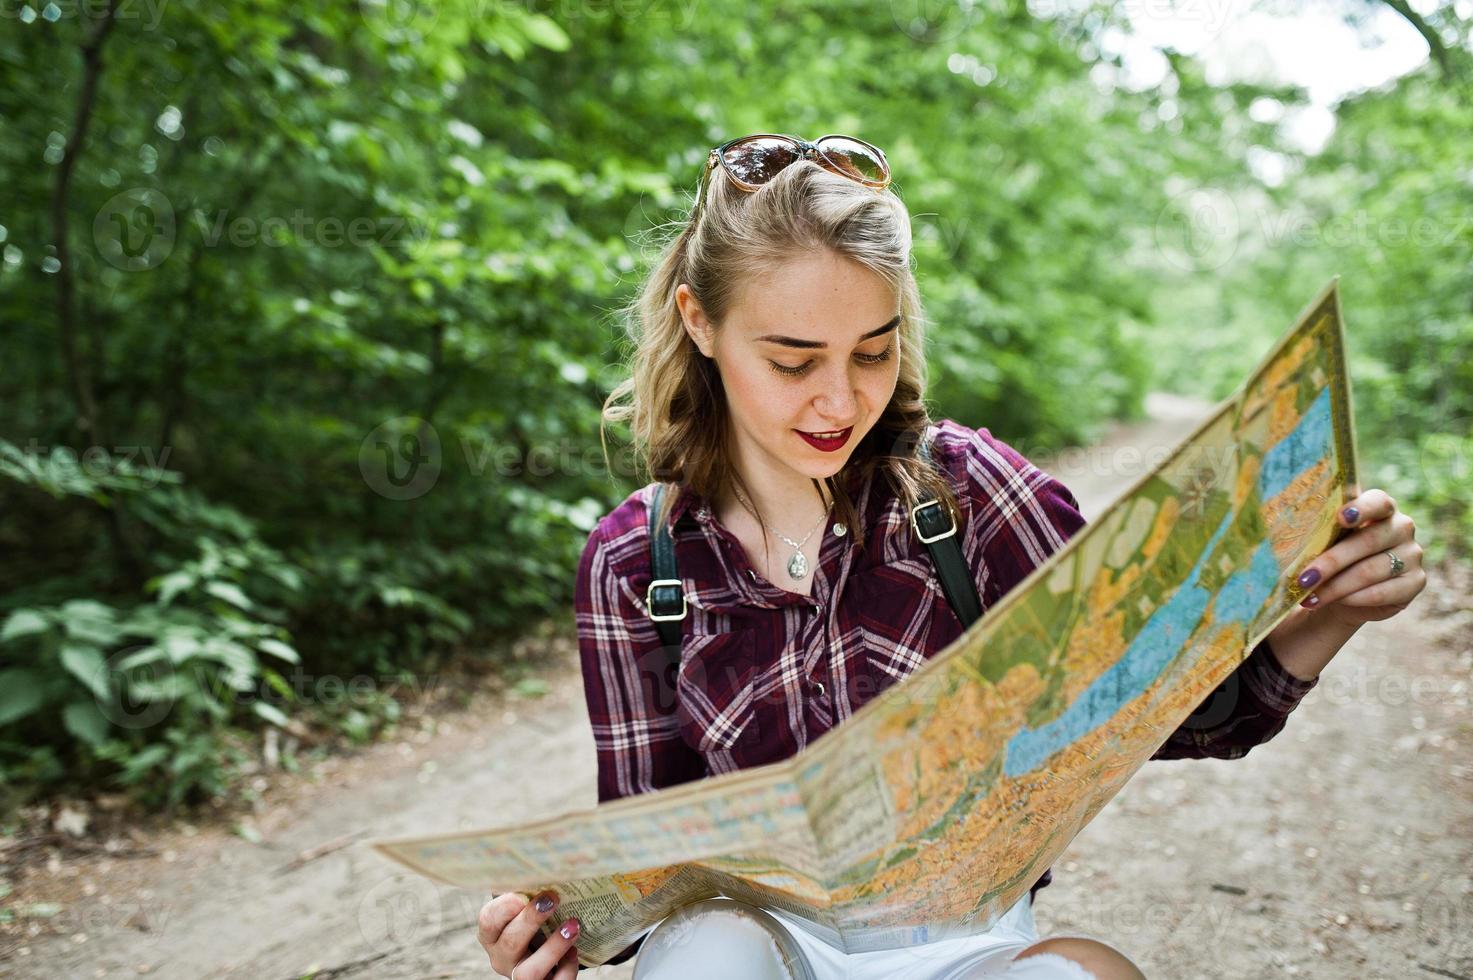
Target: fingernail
{"points": [[1311, 602], [1310, 577], [1351, 515], [569, 929], [545, 904]]}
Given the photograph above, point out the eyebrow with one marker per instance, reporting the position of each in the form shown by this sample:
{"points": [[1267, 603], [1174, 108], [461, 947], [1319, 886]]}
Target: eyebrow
{"points": [[801, 344]]}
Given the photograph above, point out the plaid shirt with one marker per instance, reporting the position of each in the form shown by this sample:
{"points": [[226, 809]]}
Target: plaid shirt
{"points": [[764, 671]]}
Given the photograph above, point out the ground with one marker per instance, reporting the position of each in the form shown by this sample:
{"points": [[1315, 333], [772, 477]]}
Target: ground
{"points": [[1342, 848]]}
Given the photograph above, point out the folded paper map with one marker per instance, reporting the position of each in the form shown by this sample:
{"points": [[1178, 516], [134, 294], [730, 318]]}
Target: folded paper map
{"points": [[932, 809]]}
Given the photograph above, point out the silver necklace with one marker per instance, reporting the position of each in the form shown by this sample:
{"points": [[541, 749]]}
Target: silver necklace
{"points": [[798, 564]]}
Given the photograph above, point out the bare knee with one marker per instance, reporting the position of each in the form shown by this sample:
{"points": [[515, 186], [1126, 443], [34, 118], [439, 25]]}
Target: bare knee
{"points": [[1104, 961]]}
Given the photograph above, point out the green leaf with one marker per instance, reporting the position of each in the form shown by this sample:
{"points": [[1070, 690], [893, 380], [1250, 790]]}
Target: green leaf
{"points": [[21, 692], [531, 687], [544, 31], [86, 721], [23, 622], [88, 609], [278, 649], [171, 585], [87, 665], [231, 593], [271, 713]]}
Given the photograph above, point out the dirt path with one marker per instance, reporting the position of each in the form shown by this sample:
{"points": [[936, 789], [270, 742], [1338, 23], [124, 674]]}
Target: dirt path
{"points": [[1342, 848]]}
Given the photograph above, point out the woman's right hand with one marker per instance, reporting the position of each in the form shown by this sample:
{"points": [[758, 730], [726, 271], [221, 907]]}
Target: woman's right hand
{"points": [[509, 928]]}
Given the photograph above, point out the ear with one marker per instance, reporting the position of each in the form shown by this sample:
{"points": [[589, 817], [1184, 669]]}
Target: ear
{"points": [[697, 327]]}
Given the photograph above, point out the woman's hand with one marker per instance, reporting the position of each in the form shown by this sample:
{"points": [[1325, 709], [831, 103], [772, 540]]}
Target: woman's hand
{"points": [[509, 928], [1352, 584], [1353, 581]]}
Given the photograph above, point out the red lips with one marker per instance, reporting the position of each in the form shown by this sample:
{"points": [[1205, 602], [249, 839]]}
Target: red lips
{"points": [[826, 445]]}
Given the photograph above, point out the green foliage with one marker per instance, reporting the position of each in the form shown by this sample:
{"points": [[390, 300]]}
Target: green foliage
{"points": [[1388, 206], [314, 395]]}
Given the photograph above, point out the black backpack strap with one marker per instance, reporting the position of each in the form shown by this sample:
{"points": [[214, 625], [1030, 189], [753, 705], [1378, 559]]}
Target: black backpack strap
{"points": [[936, 529], [665, 598]]}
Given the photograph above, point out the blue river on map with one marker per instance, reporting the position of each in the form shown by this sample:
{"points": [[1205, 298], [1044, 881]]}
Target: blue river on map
{"points": [[1163, 635]]}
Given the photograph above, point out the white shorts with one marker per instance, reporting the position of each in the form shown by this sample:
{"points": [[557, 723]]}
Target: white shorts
{"points": [[721, 938]]}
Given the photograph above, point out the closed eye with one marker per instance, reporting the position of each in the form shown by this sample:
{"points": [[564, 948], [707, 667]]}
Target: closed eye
{"points": [[802, 369]]}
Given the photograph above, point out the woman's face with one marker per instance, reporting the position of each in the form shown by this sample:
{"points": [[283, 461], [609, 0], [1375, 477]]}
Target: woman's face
{"points": [[812, 347]]}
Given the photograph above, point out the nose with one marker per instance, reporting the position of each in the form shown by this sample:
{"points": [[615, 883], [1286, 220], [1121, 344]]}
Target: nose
{"points": [[838, 403]]}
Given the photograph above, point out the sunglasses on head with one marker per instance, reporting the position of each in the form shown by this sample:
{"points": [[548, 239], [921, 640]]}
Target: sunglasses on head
{"points": [[751, 161]]}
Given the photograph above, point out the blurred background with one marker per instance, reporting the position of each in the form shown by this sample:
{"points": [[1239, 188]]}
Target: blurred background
{"points": [[308, 310]]}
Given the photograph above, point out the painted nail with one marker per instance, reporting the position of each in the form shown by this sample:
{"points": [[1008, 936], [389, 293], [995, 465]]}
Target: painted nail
{"points": [[1310, 577], [569, 929], [1351, 515], [1311, 602], [545, 904]]}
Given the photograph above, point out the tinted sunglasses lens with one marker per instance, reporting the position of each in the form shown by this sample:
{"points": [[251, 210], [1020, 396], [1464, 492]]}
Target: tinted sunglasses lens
{"points": [[855, 158], [757, 161]]}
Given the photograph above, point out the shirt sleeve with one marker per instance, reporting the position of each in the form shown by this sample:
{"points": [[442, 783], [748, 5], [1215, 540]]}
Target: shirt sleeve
{"points": [[1248, 708], [628, 682]]}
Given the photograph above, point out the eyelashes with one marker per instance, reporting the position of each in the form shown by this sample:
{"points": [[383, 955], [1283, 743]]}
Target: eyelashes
{"points": [[868, 359]]}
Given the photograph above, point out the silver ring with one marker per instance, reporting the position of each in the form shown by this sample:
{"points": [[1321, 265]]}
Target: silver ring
{"points": [[514, 969], [1397, 565]]}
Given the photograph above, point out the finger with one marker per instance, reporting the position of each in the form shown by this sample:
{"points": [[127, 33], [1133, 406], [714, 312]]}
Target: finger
{"points": [[1373, 505], [1372, 571], [1396, 592], [567, 967], [516, 938], [550, 955], [494, 916], [1368, 540]]}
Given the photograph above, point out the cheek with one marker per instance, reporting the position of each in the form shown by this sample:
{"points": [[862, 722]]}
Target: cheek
{"points": [[757, 391]]}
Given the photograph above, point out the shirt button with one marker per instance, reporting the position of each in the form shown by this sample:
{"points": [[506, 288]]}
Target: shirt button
{"points": [[752, 574], [839, 529], [819, 689]]}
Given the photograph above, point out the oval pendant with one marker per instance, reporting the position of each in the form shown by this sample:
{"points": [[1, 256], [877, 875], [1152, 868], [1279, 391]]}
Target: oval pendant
{"points": [[798, 565]]}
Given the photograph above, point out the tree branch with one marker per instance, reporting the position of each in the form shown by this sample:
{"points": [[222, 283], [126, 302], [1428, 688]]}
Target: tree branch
{"points": [[66, 316], [1439, 50]]}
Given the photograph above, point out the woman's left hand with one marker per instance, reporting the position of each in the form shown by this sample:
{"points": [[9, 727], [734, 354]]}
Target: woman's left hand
{"points": [[1352, 581]]}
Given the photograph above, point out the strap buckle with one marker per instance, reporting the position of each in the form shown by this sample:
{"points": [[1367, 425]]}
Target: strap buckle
{"points": [[649, 600], [935, 537]]}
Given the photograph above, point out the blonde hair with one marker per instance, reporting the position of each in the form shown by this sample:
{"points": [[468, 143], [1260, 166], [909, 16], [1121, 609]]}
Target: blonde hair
{"points": [[676, 405]]}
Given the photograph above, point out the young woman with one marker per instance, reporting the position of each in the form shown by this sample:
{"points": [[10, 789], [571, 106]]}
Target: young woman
{"points": [[779, 387]]}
